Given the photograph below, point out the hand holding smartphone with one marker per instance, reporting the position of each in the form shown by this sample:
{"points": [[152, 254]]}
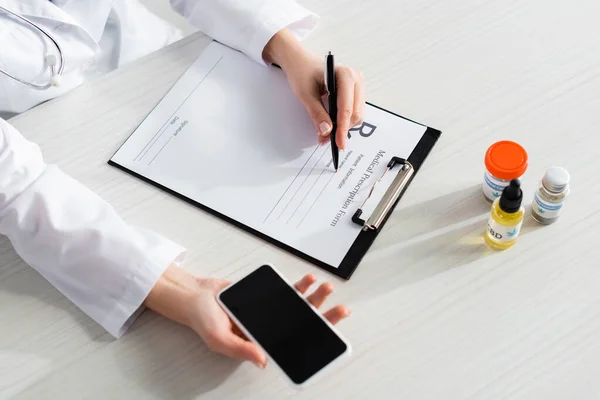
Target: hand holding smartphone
{"points": [[293, 334]]}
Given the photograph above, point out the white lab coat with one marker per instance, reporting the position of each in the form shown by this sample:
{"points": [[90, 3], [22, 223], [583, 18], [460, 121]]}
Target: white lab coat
{"points": [[67, 233]]}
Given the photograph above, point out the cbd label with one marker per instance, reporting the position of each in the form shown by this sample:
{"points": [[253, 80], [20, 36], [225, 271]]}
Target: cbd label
{"points": [[502, 233]]}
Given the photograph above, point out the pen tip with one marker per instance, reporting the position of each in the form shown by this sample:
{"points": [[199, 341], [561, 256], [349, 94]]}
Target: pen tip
{"points": [[337, 169]]}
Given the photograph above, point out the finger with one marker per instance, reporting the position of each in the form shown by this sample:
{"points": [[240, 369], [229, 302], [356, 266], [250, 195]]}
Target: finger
{"points": [[318, 297], [234, 346], [359, 101], [336, 314], [303, 284], [222, 284], [345, 104], [318, 114]]}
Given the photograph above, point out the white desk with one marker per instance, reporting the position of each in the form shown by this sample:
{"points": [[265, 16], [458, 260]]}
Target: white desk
{"points": [[435, 314]]}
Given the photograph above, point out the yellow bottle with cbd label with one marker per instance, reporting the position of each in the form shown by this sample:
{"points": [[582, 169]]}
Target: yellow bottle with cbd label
{"points": [[506, 217]]}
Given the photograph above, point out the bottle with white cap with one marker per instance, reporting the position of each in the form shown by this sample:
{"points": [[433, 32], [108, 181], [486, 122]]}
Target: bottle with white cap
{"points": [[550, 196]]}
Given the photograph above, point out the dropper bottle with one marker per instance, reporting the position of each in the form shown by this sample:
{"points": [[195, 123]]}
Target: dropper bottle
{"points": [[506, 217]]}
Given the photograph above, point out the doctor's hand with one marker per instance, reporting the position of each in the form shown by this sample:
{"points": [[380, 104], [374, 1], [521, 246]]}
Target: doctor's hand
{"points": [[305, 74], [211, 323], [191, 301]]}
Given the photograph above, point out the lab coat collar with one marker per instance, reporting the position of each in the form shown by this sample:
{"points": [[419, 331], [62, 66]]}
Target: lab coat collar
{"points": [[92, 19]]}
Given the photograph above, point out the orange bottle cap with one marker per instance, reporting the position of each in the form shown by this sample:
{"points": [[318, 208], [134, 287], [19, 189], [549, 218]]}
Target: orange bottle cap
{"points": [[506, 160]]}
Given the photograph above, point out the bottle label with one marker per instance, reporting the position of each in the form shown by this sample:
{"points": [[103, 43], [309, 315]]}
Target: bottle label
{"points": [[492, 188], [544, 208], [501, 233]]}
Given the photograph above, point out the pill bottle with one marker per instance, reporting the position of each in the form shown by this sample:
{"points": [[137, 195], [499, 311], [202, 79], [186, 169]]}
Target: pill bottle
{"points": [[550, 195], [504, 161], [506, 217]]}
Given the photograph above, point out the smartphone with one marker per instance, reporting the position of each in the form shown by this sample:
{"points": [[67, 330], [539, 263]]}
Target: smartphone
{"points": [[292, 333]]}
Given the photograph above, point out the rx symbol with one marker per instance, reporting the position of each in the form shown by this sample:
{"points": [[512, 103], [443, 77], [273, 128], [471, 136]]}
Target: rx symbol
{"points": [[365, 130]]}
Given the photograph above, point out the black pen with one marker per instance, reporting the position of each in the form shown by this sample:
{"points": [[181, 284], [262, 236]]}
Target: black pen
{"points": [[330, 72]]}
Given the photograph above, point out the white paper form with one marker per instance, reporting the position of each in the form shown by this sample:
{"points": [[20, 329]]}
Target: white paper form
{"points": [[231, 136]]}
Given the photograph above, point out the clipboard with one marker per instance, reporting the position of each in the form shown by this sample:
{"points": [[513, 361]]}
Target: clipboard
{"points": [[371, 225], [406, 170]]}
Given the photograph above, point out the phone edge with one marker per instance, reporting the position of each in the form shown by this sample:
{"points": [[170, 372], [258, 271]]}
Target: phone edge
{"points": [[321, 373]]}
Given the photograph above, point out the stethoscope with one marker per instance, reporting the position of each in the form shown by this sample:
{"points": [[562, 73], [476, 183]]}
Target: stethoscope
{"points": [[50, 59]]}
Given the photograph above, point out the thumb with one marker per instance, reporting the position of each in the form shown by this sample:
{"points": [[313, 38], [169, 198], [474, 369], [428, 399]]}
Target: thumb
{"points": [[318, 114], [236, 347]]}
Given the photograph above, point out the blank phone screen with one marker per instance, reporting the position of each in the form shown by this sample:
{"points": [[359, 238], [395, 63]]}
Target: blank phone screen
{"points": [[296, 338]]}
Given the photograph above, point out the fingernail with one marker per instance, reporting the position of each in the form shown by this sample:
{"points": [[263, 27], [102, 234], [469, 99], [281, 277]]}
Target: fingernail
{"points": [[324, 128], [261, 364]]}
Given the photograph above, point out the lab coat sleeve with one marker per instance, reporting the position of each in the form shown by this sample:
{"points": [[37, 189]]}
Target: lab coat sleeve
{"points": [[246, 25], [76, 240]]}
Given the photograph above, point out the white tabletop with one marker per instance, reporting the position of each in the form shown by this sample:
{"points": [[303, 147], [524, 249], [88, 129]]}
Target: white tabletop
{"points": [[435, 314]]}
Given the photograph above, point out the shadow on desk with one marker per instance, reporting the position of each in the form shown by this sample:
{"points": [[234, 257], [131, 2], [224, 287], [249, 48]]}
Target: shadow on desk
{"points": [[441, 234]]}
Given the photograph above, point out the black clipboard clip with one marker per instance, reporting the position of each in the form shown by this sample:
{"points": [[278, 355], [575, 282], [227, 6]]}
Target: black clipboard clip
{"points": [[388, 200]]}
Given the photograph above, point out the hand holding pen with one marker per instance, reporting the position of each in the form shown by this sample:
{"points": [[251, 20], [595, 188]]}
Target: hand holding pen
{"points": [[345, 90], [306, 75]]}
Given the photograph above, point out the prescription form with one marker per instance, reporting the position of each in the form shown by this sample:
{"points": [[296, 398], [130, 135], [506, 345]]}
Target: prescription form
{"points": [[231, 135]]}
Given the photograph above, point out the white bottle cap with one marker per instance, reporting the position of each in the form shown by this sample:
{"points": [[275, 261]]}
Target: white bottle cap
{"points": [[556, 179]]}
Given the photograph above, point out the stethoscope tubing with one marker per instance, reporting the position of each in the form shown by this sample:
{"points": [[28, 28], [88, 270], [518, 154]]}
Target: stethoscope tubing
{"points": [[49, 36]]}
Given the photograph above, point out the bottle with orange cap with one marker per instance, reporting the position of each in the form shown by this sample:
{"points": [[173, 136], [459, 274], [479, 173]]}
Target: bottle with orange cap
{"points": [[504, 161]]}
